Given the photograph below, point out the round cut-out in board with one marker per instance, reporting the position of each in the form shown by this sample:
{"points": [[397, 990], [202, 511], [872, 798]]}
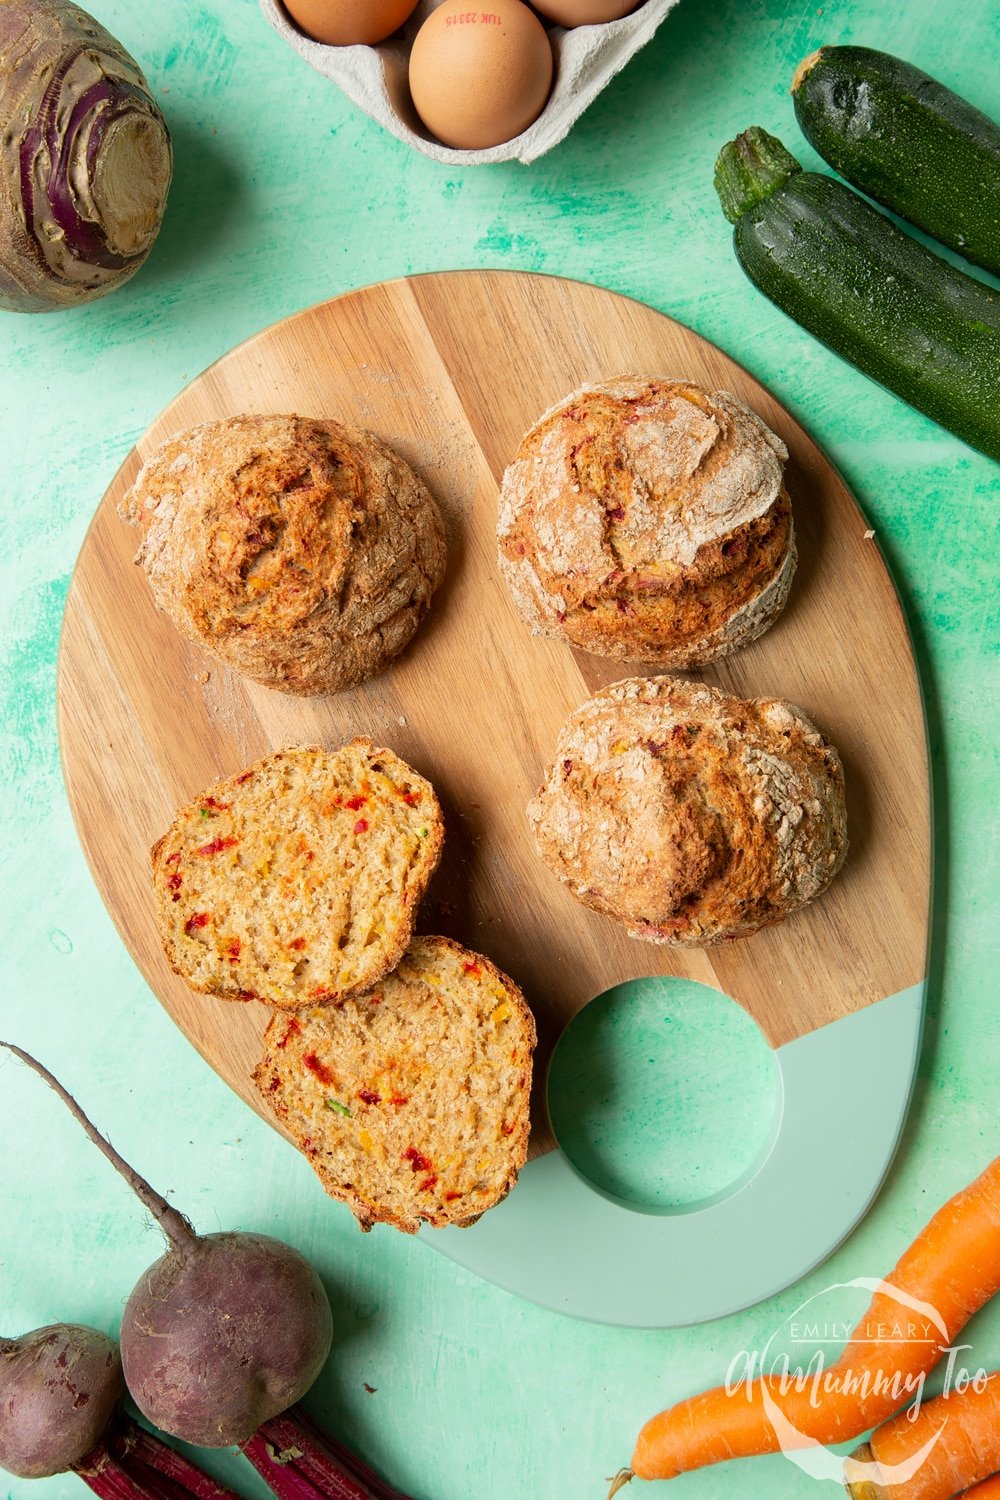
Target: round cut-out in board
{"points": [[664, 1095], [451, 369]]}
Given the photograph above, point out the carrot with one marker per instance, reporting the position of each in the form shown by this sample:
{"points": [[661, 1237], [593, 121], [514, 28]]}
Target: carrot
{"points": [[967, 1450], [953, 1265], [988, 1490]]}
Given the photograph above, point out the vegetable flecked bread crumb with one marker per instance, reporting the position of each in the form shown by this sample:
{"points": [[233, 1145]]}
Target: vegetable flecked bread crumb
{"points": [[646, 519], [688, 815], [410, 1101], [297, 881], [302, 553]]}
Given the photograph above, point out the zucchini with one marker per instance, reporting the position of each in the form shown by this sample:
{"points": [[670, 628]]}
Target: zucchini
{"points": [[907, 141], [878, 298]]}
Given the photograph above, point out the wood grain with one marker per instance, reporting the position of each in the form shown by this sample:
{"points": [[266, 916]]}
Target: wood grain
{"points": [[451, 369]]}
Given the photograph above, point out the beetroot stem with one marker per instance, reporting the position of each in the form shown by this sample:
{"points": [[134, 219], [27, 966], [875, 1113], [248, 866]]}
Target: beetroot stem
{"points": [[131, 1464], [279, 1467], [173, 1223], [299, 1462]]}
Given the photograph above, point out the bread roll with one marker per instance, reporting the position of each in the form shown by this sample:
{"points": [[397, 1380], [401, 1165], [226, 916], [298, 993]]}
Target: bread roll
{"points": [[647, 520], [302, 553], [688, 815]]}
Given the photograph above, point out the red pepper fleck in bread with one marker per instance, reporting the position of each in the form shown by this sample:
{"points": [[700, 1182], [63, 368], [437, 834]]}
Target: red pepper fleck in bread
{"points": [[411, 1100], [646, 519], [297, 881], [689, 815], [302, 553]]}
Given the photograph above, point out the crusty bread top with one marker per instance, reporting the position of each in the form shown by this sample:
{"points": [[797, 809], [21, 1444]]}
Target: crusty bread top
{"points": [[646, 519], [297, 881], [411, 1101], [690, 815], [300, 552]]}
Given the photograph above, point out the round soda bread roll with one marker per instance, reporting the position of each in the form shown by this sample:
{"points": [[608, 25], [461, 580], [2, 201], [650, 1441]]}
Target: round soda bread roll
{"points": [[689, 815], [647, 520], [302, 553], [410, 1101], [297, 882]]}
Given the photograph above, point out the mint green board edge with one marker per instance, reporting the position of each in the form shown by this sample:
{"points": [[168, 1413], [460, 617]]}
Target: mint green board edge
{"points": [[561, 1242]]}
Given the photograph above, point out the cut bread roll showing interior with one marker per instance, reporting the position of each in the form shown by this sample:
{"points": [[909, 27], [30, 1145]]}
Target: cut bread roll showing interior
{"points": [[411, 1101], [646, 519], [297, 881]]}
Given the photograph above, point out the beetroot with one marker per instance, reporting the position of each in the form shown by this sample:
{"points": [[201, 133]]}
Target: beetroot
{"points": [[219, 1337], [58, 1388], [129, 1463], [59, 1393], [222, 1332], [299, 1462]]}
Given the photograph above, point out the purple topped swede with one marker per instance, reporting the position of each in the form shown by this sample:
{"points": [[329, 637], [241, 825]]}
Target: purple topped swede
{"points": [[85, 158]]}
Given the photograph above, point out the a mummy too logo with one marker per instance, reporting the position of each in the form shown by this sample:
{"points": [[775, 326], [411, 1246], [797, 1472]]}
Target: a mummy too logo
{"points": [[820, 1363]]}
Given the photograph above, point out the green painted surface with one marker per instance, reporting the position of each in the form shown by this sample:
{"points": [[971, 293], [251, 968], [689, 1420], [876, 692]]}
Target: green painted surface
{"points": [[664, 1093], [285, 195]]}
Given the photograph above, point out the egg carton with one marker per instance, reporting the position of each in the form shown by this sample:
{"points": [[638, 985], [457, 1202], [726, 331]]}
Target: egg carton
{"points": [[375, 78]]}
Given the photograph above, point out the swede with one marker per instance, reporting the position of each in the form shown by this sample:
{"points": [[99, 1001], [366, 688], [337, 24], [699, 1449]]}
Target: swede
{"points": [[225, 1330], [85, 158]]}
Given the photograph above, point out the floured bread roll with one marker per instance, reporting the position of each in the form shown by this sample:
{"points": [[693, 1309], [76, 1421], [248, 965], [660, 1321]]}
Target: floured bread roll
{"points": [[647, 520], [689, 815], [300, 552]]}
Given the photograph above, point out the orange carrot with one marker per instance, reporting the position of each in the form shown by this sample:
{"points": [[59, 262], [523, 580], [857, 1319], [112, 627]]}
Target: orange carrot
{"points": [[953, 1265], [988, 1490], [967, 1450]]}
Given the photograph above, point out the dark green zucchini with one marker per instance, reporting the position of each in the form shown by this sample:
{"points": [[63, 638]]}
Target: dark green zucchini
{"points": [[907, 141], [871, 293]]}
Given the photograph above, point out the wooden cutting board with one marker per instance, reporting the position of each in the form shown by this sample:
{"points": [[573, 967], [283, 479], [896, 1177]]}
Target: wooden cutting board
{"points": [[451, 369]]}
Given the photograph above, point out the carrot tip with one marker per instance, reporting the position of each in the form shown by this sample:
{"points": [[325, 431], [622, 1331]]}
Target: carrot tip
{"points": [[621, 1479]]}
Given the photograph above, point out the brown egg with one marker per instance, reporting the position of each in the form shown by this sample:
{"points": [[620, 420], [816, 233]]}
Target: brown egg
{"points": [[584, 12], [343, 23], [480, 73]]}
